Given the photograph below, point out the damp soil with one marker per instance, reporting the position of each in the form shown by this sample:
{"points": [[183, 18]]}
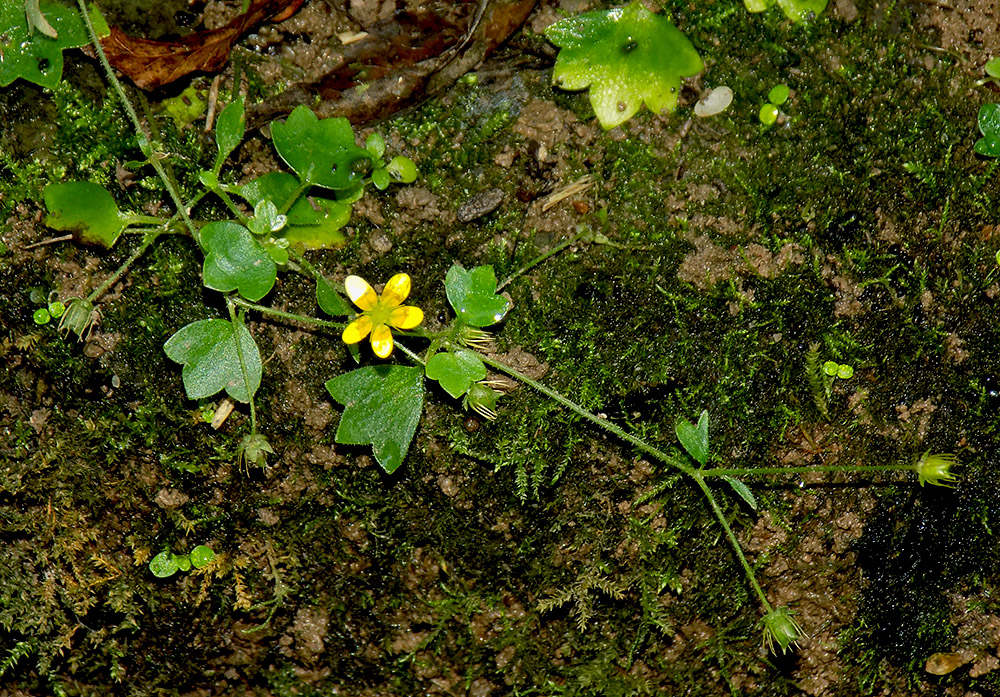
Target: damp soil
{"points": [[535, 555]]}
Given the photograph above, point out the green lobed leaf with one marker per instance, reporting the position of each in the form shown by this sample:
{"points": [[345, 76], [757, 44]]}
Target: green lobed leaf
{"points": [[693, 437], [229, 130], [329, 300], [312, 222], [795, 10], [382, 406], [27, 52], [626, 56], [321, 152], [163, 564], [456, 371], [207, 350], [85, 209], [473, 295], [234, 260]]}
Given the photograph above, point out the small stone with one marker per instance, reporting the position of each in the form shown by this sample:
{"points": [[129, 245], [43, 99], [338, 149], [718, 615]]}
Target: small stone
{"points": [[480, 205]]}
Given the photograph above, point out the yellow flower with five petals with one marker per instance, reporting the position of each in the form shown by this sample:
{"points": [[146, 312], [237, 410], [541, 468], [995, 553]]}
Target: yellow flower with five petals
{"points": [[379, 312]]}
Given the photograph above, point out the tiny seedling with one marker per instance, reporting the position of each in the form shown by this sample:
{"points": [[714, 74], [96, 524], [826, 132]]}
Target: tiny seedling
{"points": [[795, 10], [989, 126], [166, 563], [627, 57]]}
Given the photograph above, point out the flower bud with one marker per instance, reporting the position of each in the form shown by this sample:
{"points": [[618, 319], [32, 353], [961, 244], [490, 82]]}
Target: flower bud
{"points": [[482, 400], [936, 469], [79, 318], [781, 629], [253, 450]]}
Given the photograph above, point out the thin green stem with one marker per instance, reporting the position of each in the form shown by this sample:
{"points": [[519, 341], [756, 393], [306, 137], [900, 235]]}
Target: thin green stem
{"points": [[145, 143], [236, 300], [113, 278], [231, 306], [413, 357], [233, 208], [591, 416], [731, 536], [749, 471], [538, 260]]}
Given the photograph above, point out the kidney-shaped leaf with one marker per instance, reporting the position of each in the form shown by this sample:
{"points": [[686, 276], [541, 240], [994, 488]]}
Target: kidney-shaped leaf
{"points": [[626, 56], [85, 209], [456, 371], [321, 152], [382, 406], [207, 350], [473, 295], [234, 260]]}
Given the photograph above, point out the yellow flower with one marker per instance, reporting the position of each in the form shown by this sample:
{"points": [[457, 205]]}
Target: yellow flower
{"points": [[378, 313]]}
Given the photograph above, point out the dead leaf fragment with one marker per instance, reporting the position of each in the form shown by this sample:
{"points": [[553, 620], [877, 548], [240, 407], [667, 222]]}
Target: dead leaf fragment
{"points": [[151, 64]]}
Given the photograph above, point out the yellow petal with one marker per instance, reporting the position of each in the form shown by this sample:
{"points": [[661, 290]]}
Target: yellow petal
{"points": [[396, 290], [406, 317], [382, 341], [360, 292], [357, 330]]}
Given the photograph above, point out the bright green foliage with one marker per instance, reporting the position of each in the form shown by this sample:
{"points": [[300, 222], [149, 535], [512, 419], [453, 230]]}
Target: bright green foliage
{"points": [[778, 94], [229, 130], [473, 296], [309, 224], [795, 10], [85, 209], [207, 349], [456, 371], [166, 564], [329, 300], [626, 56], [27, 51], [322, 153], [693, 437], [382, 407], [989, 126], [768, 114], [235, 260]]}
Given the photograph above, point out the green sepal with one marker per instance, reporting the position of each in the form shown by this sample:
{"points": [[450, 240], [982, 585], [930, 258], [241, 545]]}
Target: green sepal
{"points": [[626, 56], [693, 437], [473, 296], [382, 407], [456, 371], [85, 209], [235, 260], [322, 152], [207, 350]]}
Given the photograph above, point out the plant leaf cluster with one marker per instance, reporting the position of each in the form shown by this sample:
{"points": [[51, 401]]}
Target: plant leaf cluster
{"points": [[383, 404]]}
